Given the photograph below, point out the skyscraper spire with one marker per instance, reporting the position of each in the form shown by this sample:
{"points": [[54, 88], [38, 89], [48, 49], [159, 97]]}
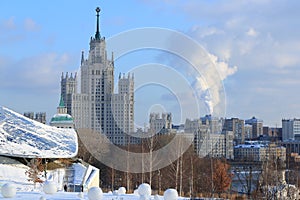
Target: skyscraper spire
{"points": [[82, 57], [97, 35], [112, 58]]}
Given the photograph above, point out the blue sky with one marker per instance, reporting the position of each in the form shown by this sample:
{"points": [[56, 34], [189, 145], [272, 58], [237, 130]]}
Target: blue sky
{"points": [[255, 43]]}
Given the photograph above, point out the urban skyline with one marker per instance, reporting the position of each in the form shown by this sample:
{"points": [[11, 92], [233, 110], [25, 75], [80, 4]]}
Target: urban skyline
{"points": [[257, 53]]}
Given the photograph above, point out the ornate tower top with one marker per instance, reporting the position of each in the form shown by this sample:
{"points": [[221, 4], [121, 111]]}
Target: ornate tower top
{"points": [[61, 102], [97, 35]]}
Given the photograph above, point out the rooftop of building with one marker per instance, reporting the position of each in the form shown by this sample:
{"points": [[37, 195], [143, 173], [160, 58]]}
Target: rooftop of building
{"points": [[246, 146], [62, 118], [253, 120], [257, 144]]}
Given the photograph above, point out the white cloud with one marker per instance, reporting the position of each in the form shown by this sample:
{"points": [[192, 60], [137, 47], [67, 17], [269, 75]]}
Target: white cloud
{"points": [[261, 37], [36, 72], [252, 32], [9, 24], [205, 31], [285, 60], [30, 25]]}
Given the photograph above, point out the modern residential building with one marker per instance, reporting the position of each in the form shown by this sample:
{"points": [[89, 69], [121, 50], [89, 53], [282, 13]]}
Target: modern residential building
{"points": [[257, 126], [207, 143], [292, 146], [290, 129], [96, 106], [273, 132], [235, 125], [258, 152], [248, 132], [229, 138], [215, 124]]}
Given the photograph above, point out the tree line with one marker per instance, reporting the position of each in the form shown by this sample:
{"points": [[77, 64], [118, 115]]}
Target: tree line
{"points": [[190, 175]]}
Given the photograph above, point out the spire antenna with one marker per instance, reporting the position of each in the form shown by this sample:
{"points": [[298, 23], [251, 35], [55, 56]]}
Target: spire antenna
{"points": [[82, 57], [97, 35]]}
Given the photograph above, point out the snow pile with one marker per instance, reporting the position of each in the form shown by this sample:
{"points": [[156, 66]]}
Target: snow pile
{"points": [[122, 190], [49, 187], [23, 137], [170, 194], [95, 193], [8, 190], [144, 191], [15, 173]]}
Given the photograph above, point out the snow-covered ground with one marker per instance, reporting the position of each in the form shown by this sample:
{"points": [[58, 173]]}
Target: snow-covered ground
{"points": [[73, 196], [13, 172], [23, 137]]}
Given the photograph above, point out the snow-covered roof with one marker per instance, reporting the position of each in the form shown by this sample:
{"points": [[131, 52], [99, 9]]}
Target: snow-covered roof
{"points": [[23, 137], [249, 146]]}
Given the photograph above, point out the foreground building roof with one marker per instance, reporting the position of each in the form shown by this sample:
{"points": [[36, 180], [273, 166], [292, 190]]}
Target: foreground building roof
{"points": [[23, 137]]}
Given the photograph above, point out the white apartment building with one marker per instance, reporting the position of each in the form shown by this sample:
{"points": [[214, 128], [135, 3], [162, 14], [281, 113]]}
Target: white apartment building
{"points": [[207, 143]]}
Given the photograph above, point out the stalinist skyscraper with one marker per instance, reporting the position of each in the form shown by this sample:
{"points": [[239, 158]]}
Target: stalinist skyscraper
{"points": [[96, 106]]}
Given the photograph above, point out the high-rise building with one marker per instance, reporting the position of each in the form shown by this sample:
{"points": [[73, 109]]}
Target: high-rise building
{"points": [[207, 143], [235, 125], [161, 124], [248, 132], [257, 126], [290, 129], [96, 106], [215, 123], [39, 116], [68, 88]]}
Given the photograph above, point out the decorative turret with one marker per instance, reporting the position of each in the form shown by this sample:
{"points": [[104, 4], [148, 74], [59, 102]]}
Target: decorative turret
{"points": [[61, 109], [62, 119]]}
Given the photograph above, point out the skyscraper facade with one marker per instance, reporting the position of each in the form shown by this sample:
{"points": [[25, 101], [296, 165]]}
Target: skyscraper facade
{"points": [[290, 129], [257, 126], [235, 125], [96, 106]]}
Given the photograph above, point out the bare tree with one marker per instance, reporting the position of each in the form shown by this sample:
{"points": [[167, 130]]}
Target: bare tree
{"points": [[35, 171]]}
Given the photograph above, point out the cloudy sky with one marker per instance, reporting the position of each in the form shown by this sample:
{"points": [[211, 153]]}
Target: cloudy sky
{"points": [[255, 45]]}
